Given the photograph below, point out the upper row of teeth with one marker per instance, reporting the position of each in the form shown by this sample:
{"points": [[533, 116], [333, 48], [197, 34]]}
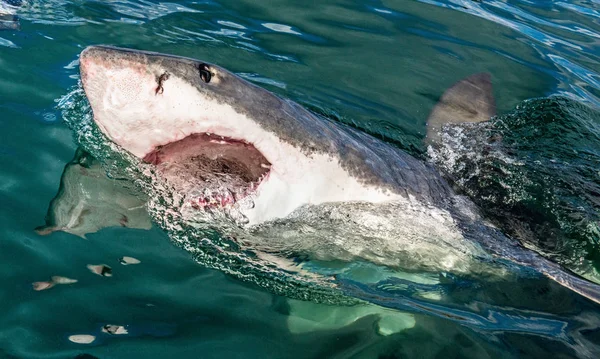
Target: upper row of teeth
{"points": [[258, 181], [209, 134], [223, 141]]}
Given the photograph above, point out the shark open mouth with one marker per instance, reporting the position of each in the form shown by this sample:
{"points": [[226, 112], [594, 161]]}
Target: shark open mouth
{"points": [[218, 169]]}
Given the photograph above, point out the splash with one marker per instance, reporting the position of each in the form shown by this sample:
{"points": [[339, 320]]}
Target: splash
{"points": [[302, 255], [403, 255], [534, 172], [198, 232]]}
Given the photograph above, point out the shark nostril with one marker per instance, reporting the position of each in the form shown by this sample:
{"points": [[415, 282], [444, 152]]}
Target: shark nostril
{"points": [[160, 80], [205, 73]]}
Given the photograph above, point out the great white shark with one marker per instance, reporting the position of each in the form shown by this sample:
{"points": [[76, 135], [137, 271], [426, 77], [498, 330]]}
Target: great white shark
{"points": [[219, 140]]}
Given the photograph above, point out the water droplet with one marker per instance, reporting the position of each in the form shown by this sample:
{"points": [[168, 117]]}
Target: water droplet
{"points": [[129, 260], [114, 329], [82, 338], [38, 286], [100, 269], [63, 280]]}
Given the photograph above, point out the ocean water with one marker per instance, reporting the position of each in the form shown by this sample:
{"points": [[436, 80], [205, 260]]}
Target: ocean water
{"points": [[379, 66]]}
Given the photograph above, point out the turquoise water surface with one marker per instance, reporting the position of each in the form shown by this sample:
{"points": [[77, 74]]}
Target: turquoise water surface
{"points": [[377, 65]]}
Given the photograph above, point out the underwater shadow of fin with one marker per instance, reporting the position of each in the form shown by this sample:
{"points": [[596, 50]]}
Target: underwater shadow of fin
{"points": [[88, 201], [469, 100]]}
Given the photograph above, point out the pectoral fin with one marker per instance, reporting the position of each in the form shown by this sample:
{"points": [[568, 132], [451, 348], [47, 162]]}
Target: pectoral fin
{"points": [[469, 100], [569, 280], [88, 201], [533, 260]]}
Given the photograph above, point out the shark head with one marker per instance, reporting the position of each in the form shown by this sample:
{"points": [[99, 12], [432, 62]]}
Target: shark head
{"points": [[213, 133]]}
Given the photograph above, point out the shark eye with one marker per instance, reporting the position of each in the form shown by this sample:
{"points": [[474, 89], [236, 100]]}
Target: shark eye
{"points": [[205, 74]]}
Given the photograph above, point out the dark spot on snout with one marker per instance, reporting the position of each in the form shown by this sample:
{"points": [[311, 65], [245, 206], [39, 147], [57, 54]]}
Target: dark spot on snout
{"points": [[205, 73], [160, 80]]}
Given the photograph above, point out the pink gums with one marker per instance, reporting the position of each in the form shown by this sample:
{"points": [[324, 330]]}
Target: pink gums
{"points": [[243, 166]]}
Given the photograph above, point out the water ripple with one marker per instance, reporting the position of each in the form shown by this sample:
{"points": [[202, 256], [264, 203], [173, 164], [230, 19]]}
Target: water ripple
{"points": [[7, 43], [378, 64], [566, 41], [580, 9], [281, 28], [148, 10]]}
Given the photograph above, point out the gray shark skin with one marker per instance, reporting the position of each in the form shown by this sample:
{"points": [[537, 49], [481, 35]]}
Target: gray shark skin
{"points": [[193, 120]]}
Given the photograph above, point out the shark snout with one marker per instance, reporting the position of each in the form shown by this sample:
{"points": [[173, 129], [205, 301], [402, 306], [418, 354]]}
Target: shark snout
{"points": [[108, 61], [117, 79], [86, 60], [93, 67], [92, 57]]}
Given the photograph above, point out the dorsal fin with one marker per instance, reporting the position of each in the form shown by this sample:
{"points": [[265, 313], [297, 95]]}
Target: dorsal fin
{"points": [[469, 100]]}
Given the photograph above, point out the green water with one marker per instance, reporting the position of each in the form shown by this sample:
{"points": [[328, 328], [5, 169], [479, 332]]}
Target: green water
{"points": [[378, 65]]}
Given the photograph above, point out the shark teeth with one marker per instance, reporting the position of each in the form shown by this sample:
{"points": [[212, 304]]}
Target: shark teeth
{"points": [[214, 200], [219, 142], [225, 198]]}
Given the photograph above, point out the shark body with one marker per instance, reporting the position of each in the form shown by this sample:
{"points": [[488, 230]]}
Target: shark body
{"points": [[226, 145]]}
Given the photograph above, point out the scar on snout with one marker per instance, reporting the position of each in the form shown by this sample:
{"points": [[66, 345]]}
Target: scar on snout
{"points": [[161, 79]]}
